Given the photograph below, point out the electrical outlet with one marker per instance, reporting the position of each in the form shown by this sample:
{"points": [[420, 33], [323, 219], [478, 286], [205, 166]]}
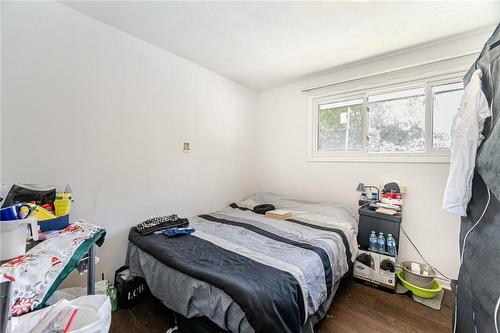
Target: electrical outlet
{"points": [[186, 147]]}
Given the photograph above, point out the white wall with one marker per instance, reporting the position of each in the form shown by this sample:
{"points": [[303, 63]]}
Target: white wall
{"points": [[86, 104], [283, 166]]}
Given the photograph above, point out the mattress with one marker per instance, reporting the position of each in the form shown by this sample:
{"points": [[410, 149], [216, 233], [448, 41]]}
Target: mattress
{"points": [[295, 265]]}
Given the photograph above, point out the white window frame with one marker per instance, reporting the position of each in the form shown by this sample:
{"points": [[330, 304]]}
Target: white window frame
{"points": [[430, 155], [432, 84]]}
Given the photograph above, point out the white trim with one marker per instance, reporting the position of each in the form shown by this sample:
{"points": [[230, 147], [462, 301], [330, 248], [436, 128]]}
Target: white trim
{"points": [[443, 282], [382, 158], [390, 82], [428, 117], [357, 101], [481, 33], [365, 124], [314, 90], [394, 81]]}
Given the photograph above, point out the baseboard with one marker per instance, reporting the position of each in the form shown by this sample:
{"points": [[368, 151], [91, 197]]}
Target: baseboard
{"points": [[443, 282]]}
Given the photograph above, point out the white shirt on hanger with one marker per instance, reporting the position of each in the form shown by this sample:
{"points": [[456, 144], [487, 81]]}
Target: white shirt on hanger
{"points": [[465, 139]]}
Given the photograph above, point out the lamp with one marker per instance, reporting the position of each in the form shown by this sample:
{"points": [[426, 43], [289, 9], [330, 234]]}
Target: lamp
{"points": [[361, 188]]}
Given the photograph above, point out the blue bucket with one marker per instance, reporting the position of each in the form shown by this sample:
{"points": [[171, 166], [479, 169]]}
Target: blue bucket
{"points": [[57, 223]]}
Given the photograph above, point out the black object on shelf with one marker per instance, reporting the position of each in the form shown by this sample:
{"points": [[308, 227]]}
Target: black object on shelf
{"points": [[26, 193], [370, 220]]}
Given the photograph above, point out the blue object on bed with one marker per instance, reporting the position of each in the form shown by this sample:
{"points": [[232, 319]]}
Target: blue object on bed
{"points": [[173, 232]]}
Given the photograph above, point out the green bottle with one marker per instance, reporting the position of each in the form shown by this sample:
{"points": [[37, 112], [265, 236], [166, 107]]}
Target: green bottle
{"points": [[111, 292]]}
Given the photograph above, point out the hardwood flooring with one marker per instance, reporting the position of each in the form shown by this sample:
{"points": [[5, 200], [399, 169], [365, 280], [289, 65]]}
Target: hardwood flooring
{"points": [[356, 308], [360, 308]]}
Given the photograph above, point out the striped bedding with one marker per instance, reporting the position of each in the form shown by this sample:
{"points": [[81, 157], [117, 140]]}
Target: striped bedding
{"points": [[278, 272]]}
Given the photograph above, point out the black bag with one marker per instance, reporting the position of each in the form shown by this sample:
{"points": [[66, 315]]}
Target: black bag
{"points": [[130, 291], [262, 209], [159, 223], [29, 192]]}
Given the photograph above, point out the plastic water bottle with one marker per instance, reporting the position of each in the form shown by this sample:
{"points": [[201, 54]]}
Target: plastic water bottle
{"points": [[391, 245], [381, 242], [373, 242]]}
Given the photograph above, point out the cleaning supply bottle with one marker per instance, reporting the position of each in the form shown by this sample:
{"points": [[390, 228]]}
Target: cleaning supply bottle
{"points": [[373, 242], [62, 204], [381, 242]]}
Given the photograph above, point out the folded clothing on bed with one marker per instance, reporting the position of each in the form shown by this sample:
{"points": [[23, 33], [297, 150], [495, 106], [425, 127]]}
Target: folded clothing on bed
{"points": [[161, 222]]}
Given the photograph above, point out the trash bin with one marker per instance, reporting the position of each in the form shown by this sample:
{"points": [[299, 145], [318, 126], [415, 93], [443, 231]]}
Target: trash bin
{"points": [[130, 289], [92, 315]]}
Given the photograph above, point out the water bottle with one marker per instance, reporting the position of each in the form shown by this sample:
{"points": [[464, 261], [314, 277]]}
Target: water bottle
{"points": [[391, 245], [373, 242], [381, 242]]}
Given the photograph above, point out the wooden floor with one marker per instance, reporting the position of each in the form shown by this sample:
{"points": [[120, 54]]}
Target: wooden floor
{"points": [[356, 308], [360, 308]]}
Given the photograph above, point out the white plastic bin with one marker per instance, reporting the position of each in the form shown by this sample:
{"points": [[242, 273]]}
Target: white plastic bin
{"points": [[93, 316], [13, 237]]}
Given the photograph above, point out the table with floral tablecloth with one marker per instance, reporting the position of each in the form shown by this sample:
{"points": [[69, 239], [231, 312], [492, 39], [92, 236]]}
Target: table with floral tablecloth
{"points": [[38, 273]]}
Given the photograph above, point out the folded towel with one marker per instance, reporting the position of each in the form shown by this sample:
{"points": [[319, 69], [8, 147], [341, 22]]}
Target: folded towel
{"points": [[159, 223]]}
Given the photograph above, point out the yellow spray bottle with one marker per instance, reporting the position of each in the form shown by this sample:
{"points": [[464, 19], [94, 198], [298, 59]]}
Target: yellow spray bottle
{"points": [[62, 204]]}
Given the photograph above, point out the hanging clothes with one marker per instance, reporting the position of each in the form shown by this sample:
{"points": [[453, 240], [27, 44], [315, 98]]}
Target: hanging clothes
{"points": [[477, 290], [489, 155], [465, 139]]}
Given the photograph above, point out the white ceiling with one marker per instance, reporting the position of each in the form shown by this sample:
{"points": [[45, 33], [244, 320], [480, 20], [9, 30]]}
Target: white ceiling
{"points": [[266, 44]]}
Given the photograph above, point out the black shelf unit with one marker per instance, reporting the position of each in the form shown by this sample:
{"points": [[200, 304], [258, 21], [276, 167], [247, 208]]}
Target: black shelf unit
{"points": [[370, 220]]}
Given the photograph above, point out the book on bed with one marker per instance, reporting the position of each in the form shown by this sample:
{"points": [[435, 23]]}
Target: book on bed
{"points": [[279, 214]]}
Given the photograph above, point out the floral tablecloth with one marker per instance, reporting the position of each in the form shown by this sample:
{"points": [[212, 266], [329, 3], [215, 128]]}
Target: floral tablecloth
{"points": [[37, 274]]}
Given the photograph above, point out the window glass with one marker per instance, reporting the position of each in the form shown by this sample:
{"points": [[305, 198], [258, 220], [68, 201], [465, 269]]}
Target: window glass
{"points": [[340, 126], [389, 121], [445, 104], [396, 121]]}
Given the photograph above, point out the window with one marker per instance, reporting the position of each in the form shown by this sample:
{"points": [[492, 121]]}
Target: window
{"points": [[397, 123], [445, 104], [340, 126]]}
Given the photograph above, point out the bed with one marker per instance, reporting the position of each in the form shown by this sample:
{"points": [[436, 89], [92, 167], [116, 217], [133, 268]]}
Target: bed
{"points": [[249, 273]]}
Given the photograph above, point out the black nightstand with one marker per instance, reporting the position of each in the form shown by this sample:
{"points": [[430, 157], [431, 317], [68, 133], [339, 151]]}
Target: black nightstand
{"points": [[370, 220], [376, 268]]}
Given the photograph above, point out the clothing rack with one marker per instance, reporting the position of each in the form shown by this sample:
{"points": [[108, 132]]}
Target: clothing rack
{"points": [[477, 290]]}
